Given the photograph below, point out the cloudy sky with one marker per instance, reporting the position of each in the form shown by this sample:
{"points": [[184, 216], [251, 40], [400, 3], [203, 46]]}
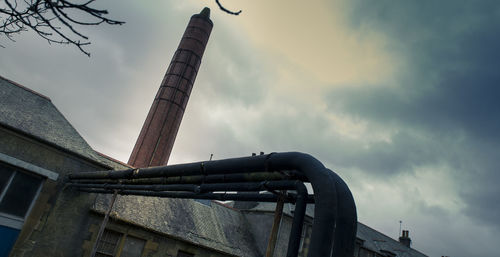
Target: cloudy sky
{"points": [[398, 97]]}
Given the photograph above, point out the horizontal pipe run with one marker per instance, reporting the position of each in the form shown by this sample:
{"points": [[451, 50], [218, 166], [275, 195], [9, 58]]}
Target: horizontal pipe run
{"points": [[188, 195], [198, 179], [329, 208], [242, 186], [227, 166], [205, 188]]}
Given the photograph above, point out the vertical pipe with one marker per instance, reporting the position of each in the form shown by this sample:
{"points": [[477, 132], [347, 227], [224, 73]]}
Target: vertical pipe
{"points": [[346, 222], [298, 220]]}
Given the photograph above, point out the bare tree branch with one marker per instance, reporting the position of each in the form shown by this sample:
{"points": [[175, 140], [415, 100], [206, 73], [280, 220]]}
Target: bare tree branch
{"points": [[226, 10], [56, 21], [53, 20]]}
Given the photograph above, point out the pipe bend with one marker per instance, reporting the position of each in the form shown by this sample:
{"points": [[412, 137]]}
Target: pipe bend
{"points": [[346, 224], [325, 196]]}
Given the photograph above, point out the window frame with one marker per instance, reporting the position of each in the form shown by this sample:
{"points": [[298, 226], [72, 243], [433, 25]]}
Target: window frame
{"points": [[118, 250], [14, 221], [17, 165]]}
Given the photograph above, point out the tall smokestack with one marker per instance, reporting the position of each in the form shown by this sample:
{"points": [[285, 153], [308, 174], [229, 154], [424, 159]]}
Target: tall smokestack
{"points": [[155, 142]]}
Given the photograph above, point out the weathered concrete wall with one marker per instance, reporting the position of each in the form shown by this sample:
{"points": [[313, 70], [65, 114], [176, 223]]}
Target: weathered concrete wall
{"points": [[61, 222], [157, 244]]}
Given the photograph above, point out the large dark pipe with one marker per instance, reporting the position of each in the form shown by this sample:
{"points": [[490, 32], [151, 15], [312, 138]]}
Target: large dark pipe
{"points": [[226, 166], [189, 195], [298, 220], [345, 234], [204, 191], [198, 179], [203, 188], [325, 197], [324, 182]]}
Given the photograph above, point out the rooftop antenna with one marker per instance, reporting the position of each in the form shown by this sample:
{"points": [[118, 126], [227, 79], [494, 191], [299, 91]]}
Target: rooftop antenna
{"points": [[400, 227], [211, 155]]}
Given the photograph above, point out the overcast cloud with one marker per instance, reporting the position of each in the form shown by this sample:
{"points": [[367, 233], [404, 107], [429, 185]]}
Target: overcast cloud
{"points": [[398, 97]]}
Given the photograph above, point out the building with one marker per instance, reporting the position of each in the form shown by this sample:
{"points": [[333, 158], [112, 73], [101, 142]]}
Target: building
{"points": [[41, 216]]}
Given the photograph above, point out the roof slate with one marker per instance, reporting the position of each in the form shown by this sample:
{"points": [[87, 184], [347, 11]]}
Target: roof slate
{"points": [[377, 242], [216, 226], [372, 239]]}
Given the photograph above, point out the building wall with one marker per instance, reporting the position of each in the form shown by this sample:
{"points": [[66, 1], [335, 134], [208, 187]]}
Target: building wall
{"points": [[57, 223], [61, 222], [156, 244]]}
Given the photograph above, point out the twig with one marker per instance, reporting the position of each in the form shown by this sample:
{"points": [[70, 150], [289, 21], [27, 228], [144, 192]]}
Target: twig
{"points": [[226, 10], [50, 19]]}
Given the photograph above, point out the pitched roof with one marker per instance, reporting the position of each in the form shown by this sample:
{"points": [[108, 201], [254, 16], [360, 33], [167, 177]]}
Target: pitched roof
{"points": [[378, 242], [372, 239], [217, 227]]}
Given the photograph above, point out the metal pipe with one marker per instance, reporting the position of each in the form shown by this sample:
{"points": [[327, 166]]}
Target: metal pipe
{"points": [[298, 220], [226, 166], [198, 179], [188, 195], [242, 186], [323, 181], [345, 228]]}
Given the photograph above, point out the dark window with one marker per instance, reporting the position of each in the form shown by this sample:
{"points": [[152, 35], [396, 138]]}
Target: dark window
{"points": [[184, 254], [18, 190], [363, 252], [108, 245], [133, 247], [5, 177], [114, 244]]}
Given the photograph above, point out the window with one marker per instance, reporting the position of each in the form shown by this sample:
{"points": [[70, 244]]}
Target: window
{"points": [[184, 254], [18, 191], [116, 244], [108, 245], [363, 252], [133, 247]]}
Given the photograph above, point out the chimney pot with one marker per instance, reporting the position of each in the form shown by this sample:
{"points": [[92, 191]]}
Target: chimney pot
{"points": [[404, 239]]}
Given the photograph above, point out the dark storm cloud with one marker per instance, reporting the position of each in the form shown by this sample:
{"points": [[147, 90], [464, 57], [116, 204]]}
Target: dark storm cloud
{"points": [[451, 50], [447, 91]]}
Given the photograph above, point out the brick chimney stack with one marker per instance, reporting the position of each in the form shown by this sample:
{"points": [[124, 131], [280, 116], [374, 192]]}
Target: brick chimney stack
{"points": [[404, 239], [156, 140]]}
